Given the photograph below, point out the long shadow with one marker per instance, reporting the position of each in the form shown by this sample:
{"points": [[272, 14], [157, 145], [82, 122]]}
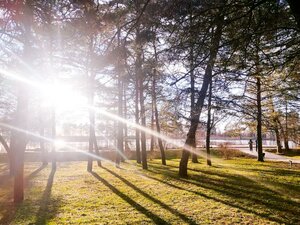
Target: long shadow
{"points": [[236, 183], [165, 206], [10, 210], [35, 172], [156, 219], [243, 194], [4, 174], [44, 214], [4, 178]]}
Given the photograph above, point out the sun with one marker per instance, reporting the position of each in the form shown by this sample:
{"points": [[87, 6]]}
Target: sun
{"points": [[63, 97]]}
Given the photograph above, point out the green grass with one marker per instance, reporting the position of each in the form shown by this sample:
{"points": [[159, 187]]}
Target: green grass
{"points": [[237, 191]]}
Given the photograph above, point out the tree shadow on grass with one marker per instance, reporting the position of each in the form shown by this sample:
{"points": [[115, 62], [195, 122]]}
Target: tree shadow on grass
{"points": [[48, 206], [146, 195], [239, 192], [8, 209], [4, 174], [156, 219], [35, 172]]}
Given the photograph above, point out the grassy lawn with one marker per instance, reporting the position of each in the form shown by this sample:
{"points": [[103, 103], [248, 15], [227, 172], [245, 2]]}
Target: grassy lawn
{"points": [[236, 191]]}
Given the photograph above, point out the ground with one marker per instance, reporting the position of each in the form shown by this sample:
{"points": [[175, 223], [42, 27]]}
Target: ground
{"points": [[235, 191], [293, 154]]}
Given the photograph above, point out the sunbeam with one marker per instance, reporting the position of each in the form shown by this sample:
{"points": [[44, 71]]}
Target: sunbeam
{"points": [[58, 93], [53, 141]]}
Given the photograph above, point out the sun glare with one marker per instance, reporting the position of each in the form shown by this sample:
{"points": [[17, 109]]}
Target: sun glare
{"points": [[63, 97], [59, 144]]}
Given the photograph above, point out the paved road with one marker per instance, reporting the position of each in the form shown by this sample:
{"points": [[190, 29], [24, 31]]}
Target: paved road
{"points": [[269, 156]]}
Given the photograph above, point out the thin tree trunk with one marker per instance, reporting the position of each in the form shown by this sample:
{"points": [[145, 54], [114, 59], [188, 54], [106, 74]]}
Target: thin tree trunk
{"points": [[53, 133], [191, 141], [152, 122], [120, 143], [127, 148], [120, 133], [96, 148], [276, 125], [192, 77], [160, 144], [286, 136], [137, 111], [208, 126], [277, 136], [143, 123], [259, 120], [137, 131], [42, 141]]}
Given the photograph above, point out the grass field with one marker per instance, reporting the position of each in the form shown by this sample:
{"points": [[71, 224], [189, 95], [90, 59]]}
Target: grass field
{"points": [[236, 191]]}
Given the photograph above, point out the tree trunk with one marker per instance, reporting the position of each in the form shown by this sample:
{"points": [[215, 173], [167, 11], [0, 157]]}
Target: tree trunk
{"points": [[42, 141], [190, 141], [19, 143], [276, 126], [91, 141], [152, 122], [143, 123], [278, 141], [53, 133], [192, 76], [120, 142], [10, 155], [208, 126], [286, 136], [160, 144], [259, 120], [137, 102], [120, 133], [127, 148]]}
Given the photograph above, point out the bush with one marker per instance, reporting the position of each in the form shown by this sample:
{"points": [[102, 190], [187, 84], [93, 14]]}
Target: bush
{"points": [[225, 152]]}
